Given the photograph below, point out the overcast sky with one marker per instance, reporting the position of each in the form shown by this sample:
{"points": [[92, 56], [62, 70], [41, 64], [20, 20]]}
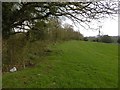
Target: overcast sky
{"points": [[109, 27]]}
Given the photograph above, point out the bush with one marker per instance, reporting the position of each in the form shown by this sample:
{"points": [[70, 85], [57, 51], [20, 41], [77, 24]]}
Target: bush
{"points": [[13, 50], [96, 40], [106, 39], [85, 39], [118, 40]]}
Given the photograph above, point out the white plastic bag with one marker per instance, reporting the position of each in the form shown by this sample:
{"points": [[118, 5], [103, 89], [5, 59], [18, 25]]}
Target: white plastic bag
{"points": [[14, 69]]}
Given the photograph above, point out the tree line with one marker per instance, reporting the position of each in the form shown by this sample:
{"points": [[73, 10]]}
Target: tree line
{"points": [[104, 39], [17, 46]]}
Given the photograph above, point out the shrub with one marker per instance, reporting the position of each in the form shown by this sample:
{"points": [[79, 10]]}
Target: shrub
{"points": [[118, 40], [106, 39], [85, 39], [96, 40], [13, 50]]}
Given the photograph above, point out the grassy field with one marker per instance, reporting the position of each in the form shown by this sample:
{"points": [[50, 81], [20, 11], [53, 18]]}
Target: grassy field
{"points": [[72, 64]]}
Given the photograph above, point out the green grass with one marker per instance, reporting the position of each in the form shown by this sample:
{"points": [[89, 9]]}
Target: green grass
{"points": [[72, 64]]}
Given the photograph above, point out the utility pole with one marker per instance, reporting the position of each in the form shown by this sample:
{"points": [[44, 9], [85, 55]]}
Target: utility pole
{"points": [[99, 31]]}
